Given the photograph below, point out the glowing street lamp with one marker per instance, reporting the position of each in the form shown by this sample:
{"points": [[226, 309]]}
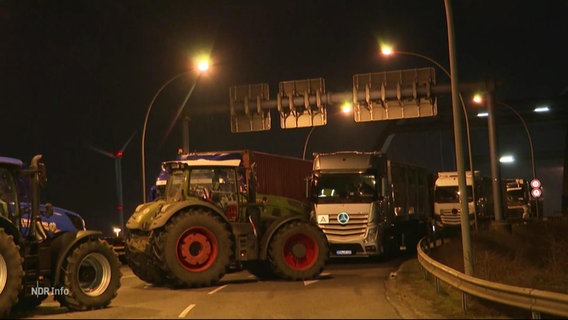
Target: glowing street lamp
{"points": [[202, 66]]}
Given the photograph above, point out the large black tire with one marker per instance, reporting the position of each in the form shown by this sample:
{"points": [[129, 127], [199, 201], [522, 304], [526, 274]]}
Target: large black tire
{"points": [[194, 248], [29, 302], [11, 273], [259, 268], [298, 251], [91, 276], [139, 257]]}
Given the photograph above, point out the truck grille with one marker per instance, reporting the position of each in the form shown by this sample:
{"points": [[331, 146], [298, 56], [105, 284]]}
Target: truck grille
{"points": [[448, 218], [355, 227]]}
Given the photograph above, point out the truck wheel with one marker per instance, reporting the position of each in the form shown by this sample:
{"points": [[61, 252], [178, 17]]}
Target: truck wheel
{"points": [[261, 269], [141, 261], [194, 248], [91, 278], [11, 273], [298, 251]]}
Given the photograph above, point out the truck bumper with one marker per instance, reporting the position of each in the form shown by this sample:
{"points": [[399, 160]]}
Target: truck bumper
{"points": [[353, 249]]}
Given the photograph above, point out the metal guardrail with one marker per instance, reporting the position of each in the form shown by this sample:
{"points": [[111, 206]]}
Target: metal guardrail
{"points": [[534, 300]]}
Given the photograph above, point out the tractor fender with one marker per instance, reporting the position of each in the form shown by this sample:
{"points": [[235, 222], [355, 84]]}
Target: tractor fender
{"points": [[62, 244], [10, 228], [143, 215], [271, 231], [170, 209]]}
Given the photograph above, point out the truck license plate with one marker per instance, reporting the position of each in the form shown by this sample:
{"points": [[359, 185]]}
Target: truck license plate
{"points": [[343, 252]]}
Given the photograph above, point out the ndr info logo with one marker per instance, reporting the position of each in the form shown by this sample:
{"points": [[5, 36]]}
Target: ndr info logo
{"points": [[43, 291]]}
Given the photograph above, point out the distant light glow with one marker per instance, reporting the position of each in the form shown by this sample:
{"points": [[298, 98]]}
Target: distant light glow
{"points": [[346, 108], [201, 62], [477, 98], [542, 109], [203, 65], [507, 159], [387, 50], [483, 114]]}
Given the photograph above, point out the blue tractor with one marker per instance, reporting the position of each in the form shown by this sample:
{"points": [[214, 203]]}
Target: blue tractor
{"points": [[78, 267]]}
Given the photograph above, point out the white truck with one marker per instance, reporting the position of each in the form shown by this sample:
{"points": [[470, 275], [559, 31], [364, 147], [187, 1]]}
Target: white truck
{"points": [[367, 205], [517, 194], [447, 210]]}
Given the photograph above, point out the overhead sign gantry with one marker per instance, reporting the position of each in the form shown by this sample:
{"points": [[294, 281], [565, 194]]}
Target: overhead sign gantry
{"points": [[302, 103]]}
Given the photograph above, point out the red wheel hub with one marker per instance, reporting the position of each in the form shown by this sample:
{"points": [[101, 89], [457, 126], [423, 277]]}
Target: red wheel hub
{"points": [[300, 251], [197, 249]]}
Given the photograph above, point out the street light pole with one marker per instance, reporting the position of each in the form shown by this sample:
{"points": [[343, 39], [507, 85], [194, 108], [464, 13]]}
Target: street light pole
{"points": [[466, 237], [306, 142], [144, 129]]}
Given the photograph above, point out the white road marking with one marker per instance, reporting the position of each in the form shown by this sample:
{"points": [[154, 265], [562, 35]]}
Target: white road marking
{"points": [[186, 311], [308, 282], [217, 289]]}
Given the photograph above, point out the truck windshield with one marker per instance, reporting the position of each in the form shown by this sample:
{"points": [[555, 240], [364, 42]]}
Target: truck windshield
{"points": [[340, 188], [450, 194], [516, 196]]}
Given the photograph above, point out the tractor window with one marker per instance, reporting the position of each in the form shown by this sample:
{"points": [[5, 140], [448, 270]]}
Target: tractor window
{"points": [[201, 183], [224, 191], [174, 188], [7, 193]]}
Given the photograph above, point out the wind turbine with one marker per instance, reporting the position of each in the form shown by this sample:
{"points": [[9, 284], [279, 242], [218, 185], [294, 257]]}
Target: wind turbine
{"points": [[118, 168]]}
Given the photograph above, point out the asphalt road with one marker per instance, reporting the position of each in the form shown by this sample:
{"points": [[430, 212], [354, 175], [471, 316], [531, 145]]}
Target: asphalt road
{"points": [[347, 289]]}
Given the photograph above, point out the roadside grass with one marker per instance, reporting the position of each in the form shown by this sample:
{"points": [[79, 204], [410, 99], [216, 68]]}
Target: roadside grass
{"points": [[448, 301], [533, 255]]}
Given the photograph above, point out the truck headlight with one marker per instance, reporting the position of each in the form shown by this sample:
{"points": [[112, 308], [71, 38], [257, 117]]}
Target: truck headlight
{"points": [[371, 235]]}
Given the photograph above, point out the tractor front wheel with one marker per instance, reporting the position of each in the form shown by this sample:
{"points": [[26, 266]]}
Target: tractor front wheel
{"points": [[140, 259]]}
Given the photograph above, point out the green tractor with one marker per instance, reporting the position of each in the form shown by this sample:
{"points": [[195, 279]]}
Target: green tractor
{"points": [[210, 217], [77, 267]]}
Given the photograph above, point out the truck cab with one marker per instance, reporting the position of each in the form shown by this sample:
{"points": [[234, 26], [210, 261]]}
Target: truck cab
{"points": [[517, 196], [447, 209], [367, 205]]}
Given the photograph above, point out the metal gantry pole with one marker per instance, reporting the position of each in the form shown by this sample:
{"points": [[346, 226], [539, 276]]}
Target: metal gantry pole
{"points": [[494, 158], [465, 227]]}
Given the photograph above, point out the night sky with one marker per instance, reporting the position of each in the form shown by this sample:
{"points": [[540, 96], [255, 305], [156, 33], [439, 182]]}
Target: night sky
{"points": [[79, 74]]}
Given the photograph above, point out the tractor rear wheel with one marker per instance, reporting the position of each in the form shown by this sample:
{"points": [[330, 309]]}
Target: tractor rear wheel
{"points": [[194, 248], [91, 278], [140, 259], [11, 273], [298, 251]]}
